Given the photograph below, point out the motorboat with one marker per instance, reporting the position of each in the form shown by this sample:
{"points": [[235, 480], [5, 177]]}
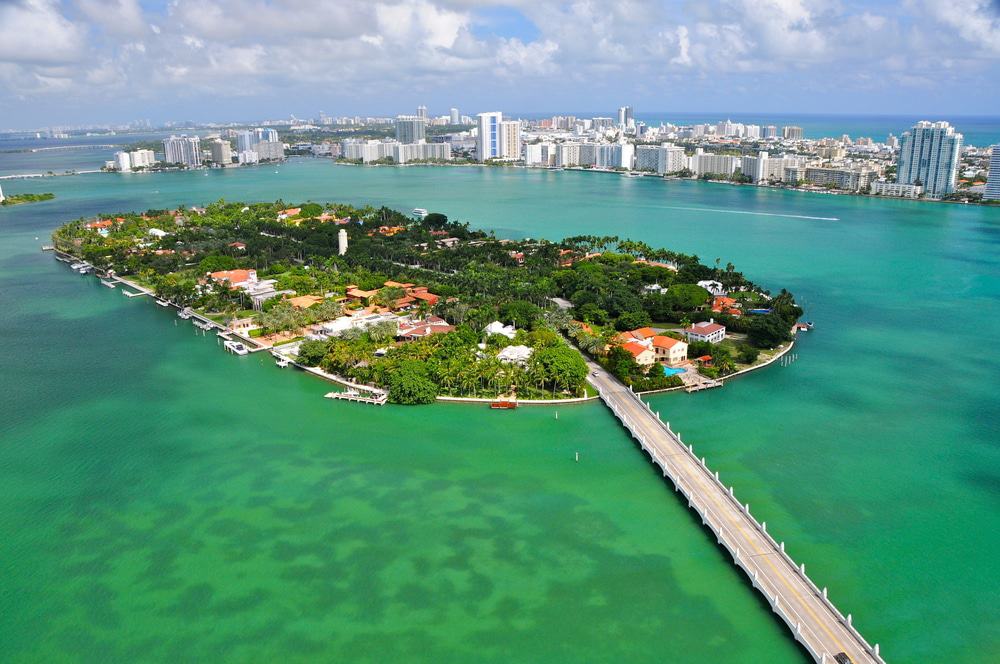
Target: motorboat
{"points": [[235, 347]]}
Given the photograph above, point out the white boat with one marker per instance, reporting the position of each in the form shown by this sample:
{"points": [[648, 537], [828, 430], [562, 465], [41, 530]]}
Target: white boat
{"points": [[236, 347], [84, 270], [282, 362], [203, 325], [109, 284], [185, 313], [76, 266], [163, 303], [419, 213]]}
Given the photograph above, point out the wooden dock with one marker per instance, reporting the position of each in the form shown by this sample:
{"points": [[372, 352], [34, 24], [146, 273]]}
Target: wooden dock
{"points": [[822, 630]]}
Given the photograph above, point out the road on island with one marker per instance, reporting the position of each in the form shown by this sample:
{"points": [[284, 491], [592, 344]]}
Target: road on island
{"points": [[814, 621]]}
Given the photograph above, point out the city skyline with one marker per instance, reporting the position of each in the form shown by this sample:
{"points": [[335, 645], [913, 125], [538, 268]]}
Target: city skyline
{"points": [[62, 62]]}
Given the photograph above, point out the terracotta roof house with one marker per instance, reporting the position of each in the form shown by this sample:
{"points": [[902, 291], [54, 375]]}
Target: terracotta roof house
{"points": [[669, 350], [235, 278], [644, 356]]}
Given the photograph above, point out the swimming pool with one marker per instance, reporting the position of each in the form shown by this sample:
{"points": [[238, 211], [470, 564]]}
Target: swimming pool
{"points": [[671, 371]]}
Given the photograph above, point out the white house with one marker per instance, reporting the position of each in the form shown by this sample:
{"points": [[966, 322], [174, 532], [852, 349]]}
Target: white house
{"points": [[515, 354], [709, 331], [496, 327], [156, 232], [713, 287]]}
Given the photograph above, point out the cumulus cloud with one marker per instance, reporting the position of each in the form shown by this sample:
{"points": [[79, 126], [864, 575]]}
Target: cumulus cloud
{"points": [[352, 50]]}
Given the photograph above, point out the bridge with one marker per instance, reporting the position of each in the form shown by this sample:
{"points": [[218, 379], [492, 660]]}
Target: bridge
{"points": [[813, 619]]}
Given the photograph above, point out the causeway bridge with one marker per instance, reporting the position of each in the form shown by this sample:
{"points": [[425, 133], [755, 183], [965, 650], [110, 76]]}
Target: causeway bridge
{"points": [[812, 618]]}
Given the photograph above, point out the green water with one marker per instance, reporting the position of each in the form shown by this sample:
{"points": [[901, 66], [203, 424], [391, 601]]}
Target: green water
{"points": [[165, 501]]}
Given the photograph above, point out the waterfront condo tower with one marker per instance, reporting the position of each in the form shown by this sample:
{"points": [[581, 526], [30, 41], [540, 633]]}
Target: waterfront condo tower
{"points": [[488, 141], [992, 182], [929, 155]]}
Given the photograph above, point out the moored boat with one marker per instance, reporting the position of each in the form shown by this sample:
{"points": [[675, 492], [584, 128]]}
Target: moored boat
{"points": [[235, 347], [503, 404], [109, 284], [163, 303]]}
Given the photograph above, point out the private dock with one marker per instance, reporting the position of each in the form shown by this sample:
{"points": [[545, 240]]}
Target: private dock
{"points": [[376, 398], [822, 630]]}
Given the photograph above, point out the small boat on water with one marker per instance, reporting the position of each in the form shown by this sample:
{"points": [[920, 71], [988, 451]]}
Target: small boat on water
{"points": [[503, 404], [419, 213], [185, 313], [85, 269], [282, 362], [109, 284], [163, 303], [235, 347], [202, 325], [76, 266]]}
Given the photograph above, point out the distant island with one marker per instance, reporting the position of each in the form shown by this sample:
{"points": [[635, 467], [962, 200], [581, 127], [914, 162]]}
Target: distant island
{"points": [[424, 307], [18, 199]]}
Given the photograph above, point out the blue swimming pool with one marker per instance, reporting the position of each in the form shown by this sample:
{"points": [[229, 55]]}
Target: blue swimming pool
{"points": [[671, 371], [760, 311]]}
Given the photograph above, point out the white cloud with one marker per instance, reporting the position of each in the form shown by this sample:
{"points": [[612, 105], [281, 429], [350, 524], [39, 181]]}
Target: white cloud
{"points": [[35, 32], [356, 50]]}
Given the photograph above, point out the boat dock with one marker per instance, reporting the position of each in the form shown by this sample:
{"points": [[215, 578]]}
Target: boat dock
{"points": [[822, 630], [376, 398]]}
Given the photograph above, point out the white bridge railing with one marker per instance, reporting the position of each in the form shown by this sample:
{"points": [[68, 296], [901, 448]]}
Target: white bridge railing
{"points": [[726, 538]]}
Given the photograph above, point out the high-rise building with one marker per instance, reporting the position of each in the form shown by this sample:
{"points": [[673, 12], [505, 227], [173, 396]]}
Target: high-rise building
{"points": [[182, 150], [929, 155], [770, 131], [992, 192], [455, 118], [1, 195], [422, 112], [665, 158], [262, 134], [123, 162], [755, 168], [142, 158], [488, 140], [221, 151], [245, 140], [625, 117], [791, 133], [410, 129], [270, 150], [510, 139]]}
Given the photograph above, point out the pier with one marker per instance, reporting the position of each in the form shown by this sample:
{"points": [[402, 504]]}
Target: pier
{"points": [[376, 398], [822, 630]]}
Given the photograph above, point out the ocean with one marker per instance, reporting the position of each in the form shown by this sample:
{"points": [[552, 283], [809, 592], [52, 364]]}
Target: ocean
{"points": [[164, 500]]}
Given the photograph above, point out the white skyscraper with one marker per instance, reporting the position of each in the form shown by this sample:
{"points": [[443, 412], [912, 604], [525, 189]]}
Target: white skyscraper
{"points": [[625, 117], [265, 135], [422, 112], [488, 141], [455, 117], [992, 182], [930, 153], [1, 195], [123, 162], [142, 158], [182, 150], [342, 242]]}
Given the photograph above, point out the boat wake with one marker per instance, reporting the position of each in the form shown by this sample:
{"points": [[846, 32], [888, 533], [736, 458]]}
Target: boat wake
{"points": [[759, 214]]}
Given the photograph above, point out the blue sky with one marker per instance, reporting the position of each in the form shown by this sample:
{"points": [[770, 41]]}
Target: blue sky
{"points": [[79, 61]]}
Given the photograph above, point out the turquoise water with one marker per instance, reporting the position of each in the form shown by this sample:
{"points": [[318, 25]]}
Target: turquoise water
{"points": [[162, 497], [671, 371]]}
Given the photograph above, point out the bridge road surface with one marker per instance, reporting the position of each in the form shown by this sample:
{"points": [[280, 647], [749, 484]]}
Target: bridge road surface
{"points": [[814, 621]]}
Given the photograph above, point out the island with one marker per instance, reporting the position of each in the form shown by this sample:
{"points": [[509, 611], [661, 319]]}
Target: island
{"points": [[423, 307], [18, 199]]}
